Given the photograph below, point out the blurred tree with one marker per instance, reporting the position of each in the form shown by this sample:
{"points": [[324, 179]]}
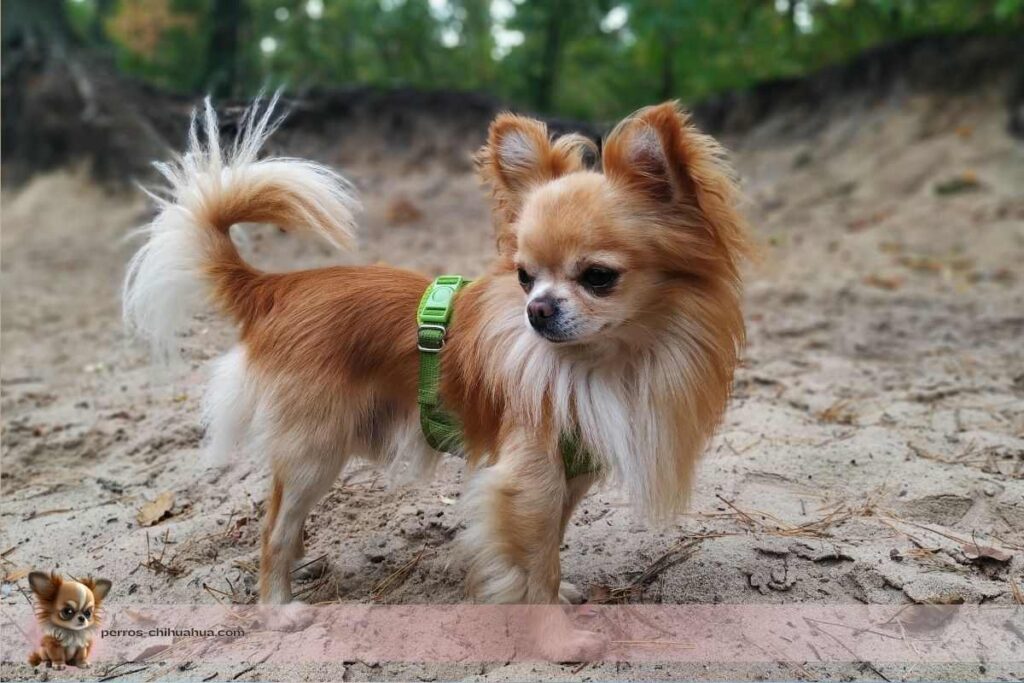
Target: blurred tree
{"points": [[163, 41], [97, 25], [35, 24], [227, 18], [590, 58], [476, 43], [550, 28]]}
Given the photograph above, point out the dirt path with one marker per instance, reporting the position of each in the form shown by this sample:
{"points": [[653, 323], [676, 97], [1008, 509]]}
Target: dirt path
{"points": [[878, 421]]}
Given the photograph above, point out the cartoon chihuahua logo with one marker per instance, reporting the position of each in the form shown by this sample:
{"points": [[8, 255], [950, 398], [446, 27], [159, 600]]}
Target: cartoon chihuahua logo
{"points": [[69, 613]]}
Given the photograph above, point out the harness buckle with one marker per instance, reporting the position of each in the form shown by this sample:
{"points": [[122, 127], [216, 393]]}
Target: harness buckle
{"points": [[430, 338]]}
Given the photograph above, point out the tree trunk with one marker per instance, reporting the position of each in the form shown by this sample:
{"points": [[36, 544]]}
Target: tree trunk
{"points": [[222, 58], [552, 56], [667, 88], [98, 29], [34, 26], [63, 102]]}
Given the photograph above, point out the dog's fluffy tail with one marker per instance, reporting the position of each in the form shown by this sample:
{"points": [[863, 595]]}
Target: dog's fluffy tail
{"points": [[189, 257]]}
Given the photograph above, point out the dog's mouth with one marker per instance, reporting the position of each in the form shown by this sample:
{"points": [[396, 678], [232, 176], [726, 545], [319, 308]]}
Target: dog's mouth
{"points": [[556, 336], [76, 626]]}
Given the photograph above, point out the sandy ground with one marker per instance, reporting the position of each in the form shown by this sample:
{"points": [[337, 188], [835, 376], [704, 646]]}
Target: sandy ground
{"points": [[878, 422]]}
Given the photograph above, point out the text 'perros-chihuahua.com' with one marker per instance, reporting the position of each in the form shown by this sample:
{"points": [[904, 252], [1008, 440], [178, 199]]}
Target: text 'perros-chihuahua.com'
{"points": [[611, 312]]}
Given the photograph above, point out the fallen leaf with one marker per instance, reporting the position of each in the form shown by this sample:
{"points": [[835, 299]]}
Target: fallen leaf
{"points": [[403, 211], [922, 264], [152, 512], [974, 552], [864, 222], [884, 281], [16, 575], [839, 413]]}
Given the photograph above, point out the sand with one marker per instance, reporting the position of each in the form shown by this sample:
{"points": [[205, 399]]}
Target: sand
{"points": [[878, 420]]}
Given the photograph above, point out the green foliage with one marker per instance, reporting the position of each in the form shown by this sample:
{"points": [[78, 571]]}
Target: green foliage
{"points": [[585, 58]]}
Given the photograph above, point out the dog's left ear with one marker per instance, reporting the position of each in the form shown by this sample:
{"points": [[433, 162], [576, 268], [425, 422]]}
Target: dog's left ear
{"points": [[99, 587], [519, 156], [659, 153]]}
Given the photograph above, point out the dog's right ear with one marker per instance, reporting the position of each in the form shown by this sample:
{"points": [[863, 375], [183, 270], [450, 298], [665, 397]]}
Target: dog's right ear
{"points": [[520, 156], [44, 585]]}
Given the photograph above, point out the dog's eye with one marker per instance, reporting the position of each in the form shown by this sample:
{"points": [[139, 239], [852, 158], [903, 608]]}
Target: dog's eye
{"points": [[599, 280], [525, 279], [67, 613], [87, 614]]}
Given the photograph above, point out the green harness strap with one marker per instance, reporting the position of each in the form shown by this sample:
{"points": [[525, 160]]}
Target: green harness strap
{"points": [[442, 429]]}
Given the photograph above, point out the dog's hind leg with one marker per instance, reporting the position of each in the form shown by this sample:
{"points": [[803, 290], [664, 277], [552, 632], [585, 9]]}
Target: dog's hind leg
{"points": [[300, 479], [227, 407]]}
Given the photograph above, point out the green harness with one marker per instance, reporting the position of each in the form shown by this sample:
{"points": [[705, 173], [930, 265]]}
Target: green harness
{"points": [[442, 429]]}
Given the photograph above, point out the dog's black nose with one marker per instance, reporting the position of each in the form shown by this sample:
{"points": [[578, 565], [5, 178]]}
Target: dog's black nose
{"points": [[540, 311], [81, 619]]}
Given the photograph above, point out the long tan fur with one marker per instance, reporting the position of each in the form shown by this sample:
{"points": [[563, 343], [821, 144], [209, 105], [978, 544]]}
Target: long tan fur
{"points": [[326, 365]]}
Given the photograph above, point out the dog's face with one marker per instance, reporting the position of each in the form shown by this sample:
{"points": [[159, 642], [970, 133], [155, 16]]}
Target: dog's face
{"points": [[585, 260], [582, 269], [68, 604], [603, 255]]}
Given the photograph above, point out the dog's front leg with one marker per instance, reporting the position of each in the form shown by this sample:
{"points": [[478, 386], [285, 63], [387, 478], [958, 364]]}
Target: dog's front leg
{"points": [[517, 512], [54, 650], [82, 657]]}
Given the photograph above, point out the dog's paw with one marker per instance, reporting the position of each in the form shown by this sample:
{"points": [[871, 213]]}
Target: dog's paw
{"points": [[569, 594], [289, 618], [576, 645], [310, 570], [84, 665]]}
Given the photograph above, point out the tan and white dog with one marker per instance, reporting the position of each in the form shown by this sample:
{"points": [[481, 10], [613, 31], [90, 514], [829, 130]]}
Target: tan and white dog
{"points": [[612, 309], [69, 613]]}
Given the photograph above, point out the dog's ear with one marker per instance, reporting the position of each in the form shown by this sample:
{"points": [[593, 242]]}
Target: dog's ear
{"points": [[659, 153], [100, 588], [519, 156], [44, 585]]}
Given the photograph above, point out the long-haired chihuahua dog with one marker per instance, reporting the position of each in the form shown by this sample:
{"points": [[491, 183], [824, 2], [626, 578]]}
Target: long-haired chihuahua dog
{"points": [[69, 612], [612, 310]]}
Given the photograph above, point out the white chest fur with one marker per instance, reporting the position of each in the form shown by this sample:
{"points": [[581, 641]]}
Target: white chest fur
{"points": [[635, 411], [71, 640]]}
